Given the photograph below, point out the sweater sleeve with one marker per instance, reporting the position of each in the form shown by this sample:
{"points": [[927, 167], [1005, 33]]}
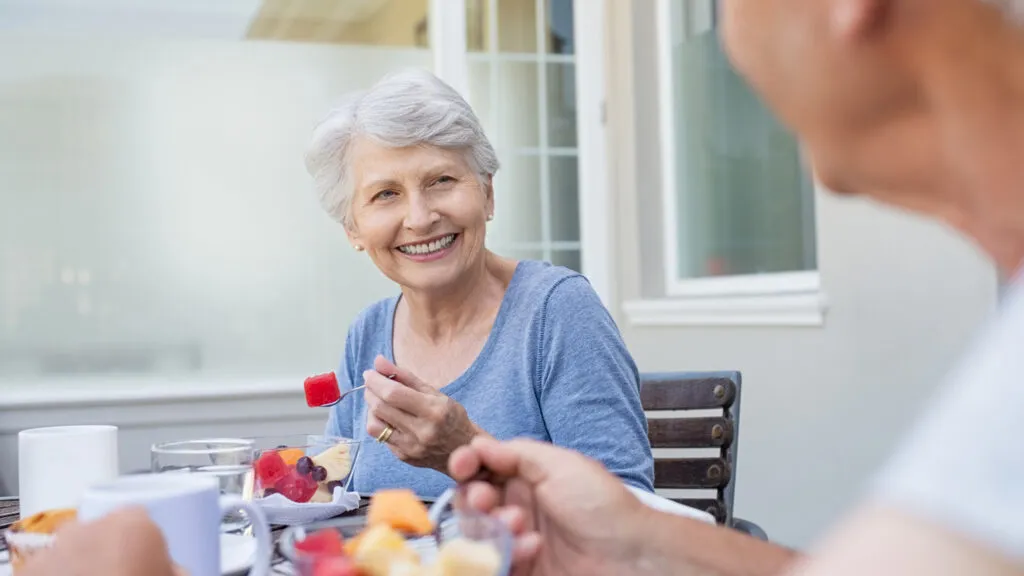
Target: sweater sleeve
{"points": [[589, 385]]}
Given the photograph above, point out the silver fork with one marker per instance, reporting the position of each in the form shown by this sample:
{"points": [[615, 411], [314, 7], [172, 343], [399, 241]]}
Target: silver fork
{"points": [[346, 393]]}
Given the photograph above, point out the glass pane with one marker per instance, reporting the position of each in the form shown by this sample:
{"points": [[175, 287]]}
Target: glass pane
{"points": [[561, 105], [565, 205], [518, 113], [568, 258], [517, 26], [480, 95], [516, 201], [745, 203], [478, 29], [374, 23], [157, 218], [561, 39]]}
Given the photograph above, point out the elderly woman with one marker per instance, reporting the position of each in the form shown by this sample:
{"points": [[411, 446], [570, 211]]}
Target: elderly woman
{"points": [[474, 343]]}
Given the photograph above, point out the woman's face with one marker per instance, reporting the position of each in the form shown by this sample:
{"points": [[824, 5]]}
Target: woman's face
{"points": [[420, 212]]}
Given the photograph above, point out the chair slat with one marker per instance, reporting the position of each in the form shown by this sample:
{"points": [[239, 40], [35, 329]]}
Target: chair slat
{"points": [[681, 393], [712, 432], [691, 473]]}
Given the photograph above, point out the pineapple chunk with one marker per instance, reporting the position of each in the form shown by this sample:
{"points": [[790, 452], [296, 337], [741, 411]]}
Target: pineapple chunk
{"points": [[381, 547], [462, 557]]}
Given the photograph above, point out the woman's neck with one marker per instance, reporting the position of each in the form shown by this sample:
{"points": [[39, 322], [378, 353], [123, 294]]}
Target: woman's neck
{"points": [[439, 316]]}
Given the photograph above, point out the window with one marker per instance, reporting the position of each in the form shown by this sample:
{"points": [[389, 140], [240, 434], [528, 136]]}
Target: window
{"points": [[522, 67], [739, 212]]}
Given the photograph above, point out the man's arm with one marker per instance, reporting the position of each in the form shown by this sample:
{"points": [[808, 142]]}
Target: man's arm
{"points": [[670, 544], [882, 541]]}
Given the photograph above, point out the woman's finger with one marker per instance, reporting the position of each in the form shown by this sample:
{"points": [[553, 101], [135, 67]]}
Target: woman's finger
{"points": [[388, 368], [398, 419], [397, 394]]}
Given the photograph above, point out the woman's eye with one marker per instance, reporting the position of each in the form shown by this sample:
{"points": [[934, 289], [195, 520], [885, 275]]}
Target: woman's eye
{"points": [[444, 180], [383, 194]]}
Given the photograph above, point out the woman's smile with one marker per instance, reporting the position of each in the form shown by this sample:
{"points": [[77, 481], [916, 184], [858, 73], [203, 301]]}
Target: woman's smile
{"points": [[431, 249]]}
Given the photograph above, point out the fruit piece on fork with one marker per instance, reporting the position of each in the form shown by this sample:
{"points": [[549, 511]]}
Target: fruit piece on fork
{"points": [[322, 390]]}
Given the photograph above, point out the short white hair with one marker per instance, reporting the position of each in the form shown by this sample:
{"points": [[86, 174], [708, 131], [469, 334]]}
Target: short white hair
{"points": [[407, 108]]}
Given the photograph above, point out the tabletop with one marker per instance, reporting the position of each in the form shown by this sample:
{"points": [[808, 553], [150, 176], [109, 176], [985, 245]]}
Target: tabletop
{"points": [[9, 511]]}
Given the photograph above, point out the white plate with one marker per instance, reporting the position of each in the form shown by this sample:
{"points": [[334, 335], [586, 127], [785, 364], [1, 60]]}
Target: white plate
{"points": [[236, 553]]}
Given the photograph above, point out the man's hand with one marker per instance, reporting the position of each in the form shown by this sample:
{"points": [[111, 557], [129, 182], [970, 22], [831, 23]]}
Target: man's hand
{"points": [[125, 543], [570, 516]]}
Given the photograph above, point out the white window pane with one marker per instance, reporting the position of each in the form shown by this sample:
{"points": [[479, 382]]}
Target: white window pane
{"points": [[517, 201], [518, 110], [561, 88], [744, 202], [565, 207], [481, 95]]}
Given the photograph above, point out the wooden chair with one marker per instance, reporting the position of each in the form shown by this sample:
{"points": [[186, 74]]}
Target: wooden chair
{"points": [[715, 473]]}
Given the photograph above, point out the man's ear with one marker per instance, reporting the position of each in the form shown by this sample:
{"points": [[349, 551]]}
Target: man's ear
{"points": [[854, 20]]}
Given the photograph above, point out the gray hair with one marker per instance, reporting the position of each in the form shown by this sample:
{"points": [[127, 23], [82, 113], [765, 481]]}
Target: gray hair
{"points": [[408, 108]]}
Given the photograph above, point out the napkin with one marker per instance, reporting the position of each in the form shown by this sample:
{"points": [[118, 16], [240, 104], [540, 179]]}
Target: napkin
{"points": [[282, 511]]}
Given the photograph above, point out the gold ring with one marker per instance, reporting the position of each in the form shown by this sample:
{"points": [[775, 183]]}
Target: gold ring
{"points": [[385, 435]]}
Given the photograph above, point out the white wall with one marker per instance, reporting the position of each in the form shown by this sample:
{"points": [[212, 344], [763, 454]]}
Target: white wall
{"points": [[821, 406]]}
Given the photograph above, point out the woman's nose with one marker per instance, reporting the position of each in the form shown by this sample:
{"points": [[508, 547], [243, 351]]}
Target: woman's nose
{"points": [[421, 215]]}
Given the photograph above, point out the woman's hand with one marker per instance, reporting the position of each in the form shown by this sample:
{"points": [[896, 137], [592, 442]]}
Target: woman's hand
{"points": [[428, 426]]}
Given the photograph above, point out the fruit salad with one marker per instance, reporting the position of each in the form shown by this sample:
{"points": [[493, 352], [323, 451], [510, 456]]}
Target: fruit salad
{"points": [[387, 546], [304, 474]]}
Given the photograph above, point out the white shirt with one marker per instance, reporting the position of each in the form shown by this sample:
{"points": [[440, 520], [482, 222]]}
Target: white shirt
{"points": [[963, 465]]}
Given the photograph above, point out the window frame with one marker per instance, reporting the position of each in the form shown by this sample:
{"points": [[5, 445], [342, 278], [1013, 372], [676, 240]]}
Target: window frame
{"points": [[451, 63], [714, 296]]}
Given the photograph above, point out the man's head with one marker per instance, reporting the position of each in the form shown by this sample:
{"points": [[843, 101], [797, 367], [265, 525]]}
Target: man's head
{"points": [[886, 94]]}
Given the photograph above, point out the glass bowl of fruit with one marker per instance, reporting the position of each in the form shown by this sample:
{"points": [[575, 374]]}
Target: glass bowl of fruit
{"points": [[303, 468], [398, 538]]}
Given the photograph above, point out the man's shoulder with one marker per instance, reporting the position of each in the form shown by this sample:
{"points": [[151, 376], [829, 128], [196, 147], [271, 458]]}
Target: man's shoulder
{"points": [[961, 466]]}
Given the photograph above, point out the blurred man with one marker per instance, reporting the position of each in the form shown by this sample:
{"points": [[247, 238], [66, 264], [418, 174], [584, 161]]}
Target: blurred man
{"points": [[918, 104]]}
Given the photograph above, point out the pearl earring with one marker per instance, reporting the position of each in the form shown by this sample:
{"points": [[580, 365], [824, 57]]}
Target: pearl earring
{"points": [[490, 217], [358, 248]]}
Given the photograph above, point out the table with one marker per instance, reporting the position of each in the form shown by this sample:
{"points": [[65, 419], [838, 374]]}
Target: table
{"points": [[9, 511]]}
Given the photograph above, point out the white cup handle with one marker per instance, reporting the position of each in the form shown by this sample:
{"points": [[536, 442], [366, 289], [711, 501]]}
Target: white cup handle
{"points": [[260, 529]]}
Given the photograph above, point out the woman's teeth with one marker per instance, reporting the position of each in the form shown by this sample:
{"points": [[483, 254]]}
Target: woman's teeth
{"points": [[428, 247]]}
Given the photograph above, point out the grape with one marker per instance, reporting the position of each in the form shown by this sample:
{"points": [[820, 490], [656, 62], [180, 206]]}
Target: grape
{"points": [[304, 465], [319, 473]]}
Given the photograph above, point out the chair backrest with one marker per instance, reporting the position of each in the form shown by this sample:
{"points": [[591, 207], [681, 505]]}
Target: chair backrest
{"points": [[718, 430]]}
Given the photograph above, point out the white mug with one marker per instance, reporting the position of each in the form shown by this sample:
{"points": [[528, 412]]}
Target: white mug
{"points": [[188, 510], [57, 464]]}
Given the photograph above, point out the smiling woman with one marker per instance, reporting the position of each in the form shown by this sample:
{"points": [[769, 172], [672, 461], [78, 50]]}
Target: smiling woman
{"points": [[474, 343]]}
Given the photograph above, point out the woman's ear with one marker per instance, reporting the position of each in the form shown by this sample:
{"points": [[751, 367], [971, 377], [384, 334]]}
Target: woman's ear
{"points": [[353, 238], [489, 195]]}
